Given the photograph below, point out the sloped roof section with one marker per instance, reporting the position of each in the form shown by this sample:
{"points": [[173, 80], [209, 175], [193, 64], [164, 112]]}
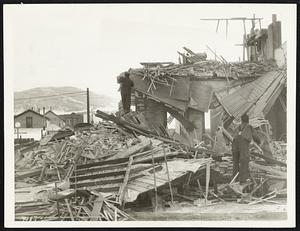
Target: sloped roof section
{"points": [[29, 110], [52, 112], [254, 97]]}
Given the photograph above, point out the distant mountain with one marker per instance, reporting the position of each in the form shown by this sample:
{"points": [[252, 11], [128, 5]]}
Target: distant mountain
{"points": [[69, 100]]}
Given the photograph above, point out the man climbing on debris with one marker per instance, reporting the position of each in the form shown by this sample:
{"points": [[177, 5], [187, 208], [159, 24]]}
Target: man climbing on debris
{"points": [[240, 148], [125, 86]]}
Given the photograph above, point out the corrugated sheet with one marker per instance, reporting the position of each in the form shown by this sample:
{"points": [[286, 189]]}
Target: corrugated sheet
{"points": [[177, 168], [264, 104], [237, 84], [254, 96]]}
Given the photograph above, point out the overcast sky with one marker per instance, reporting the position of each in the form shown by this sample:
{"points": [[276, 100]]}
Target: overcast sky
{"points": [[89, 45]]}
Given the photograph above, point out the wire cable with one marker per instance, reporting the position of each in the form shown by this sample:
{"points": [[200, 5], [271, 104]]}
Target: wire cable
{"points": [[49, 96]]}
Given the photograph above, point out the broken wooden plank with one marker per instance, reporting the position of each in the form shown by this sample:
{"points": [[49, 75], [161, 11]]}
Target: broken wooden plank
{"points": [[98, 202], [268, 169], [132, 150], [268, 159], [69, 209], [124, 185], [207, 181]]}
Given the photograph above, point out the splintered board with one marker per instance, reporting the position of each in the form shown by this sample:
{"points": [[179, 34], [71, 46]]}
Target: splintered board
{"points": [[179, 95]]}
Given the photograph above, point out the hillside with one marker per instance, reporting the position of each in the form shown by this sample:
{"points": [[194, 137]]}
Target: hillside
{"points": [[65, 102]]}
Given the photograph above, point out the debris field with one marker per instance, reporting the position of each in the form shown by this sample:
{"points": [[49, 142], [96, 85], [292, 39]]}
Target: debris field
{"points": [[99, 173]]}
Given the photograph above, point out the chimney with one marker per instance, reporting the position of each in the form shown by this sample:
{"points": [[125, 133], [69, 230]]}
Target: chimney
{"points": [[44, 110], [50, 108], [32, 108], [39, 110], [274, 18]]}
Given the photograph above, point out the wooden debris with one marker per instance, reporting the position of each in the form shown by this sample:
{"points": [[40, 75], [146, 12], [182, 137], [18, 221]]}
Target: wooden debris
{"points": [[111, 164], [97, 207]]}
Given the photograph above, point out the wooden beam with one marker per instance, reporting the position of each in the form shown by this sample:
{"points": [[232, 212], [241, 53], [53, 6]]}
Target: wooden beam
{"points": [[125, 182], [207, 181], [234, 18], [217, 25], [268, 169], [95, 213]]}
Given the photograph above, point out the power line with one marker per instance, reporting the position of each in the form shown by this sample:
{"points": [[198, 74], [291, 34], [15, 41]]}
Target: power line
{"points": [[49, 96]]}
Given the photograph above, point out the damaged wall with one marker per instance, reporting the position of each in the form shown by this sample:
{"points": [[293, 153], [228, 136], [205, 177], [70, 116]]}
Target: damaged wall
{"points": [[274, 37], [215, 118], [198, 119], [277, 117], [155, 113]]}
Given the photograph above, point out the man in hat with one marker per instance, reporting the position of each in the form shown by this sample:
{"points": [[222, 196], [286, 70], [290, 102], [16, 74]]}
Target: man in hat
{"points": [[125, 86], [243, 135]]}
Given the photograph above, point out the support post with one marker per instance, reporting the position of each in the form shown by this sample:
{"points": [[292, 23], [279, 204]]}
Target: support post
{"points": [[244, 40], [155, 188], [170, 186], [207, 181], [44, 120], [18, 135], [88, 104]]}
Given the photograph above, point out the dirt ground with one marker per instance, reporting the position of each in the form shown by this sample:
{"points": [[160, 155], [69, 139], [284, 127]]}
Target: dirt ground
{"points": [[220, 211]]}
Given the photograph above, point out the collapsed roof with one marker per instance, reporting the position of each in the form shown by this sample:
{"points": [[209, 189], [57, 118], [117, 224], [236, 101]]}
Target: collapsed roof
{"points": [[254, 98], [181, 86]]}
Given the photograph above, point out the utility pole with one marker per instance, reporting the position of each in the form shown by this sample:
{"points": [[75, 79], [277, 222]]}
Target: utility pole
{"points": [[243, 19], [88, 105], [44, 122]]}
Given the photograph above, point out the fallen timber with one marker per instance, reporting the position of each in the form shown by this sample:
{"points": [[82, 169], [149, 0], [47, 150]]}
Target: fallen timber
{"points": [[101, 175], [256, 154], [132, 128]]}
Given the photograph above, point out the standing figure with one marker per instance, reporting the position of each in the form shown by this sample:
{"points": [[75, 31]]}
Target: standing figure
{"points": [[125, 86], [240, 148]]}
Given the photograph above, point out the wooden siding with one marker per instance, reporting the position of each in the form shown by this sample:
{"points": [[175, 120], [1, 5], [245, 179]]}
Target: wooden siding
{"points": [[37, 120]]}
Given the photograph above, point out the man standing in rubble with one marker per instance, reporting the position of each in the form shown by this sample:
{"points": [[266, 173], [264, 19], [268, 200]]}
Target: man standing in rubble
{"points": [[125, 87], [243, 135]]}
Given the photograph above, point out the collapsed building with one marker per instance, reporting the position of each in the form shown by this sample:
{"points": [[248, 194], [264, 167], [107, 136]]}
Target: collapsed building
{"points": [[188, 90], [102, 172]]}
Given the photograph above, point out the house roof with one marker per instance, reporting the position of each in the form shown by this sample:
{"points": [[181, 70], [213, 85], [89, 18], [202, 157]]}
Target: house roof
{"points": [[50, 111], [256, 97], [30, 110]]}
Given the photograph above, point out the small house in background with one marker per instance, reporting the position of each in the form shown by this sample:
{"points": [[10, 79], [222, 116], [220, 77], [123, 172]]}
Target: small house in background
{"points": [[72, 119], [56, 122], [30, 124]]}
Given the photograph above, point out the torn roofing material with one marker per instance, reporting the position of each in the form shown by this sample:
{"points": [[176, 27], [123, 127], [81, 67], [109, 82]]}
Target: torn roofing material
{"points": [[256, 97], [176, 169]]}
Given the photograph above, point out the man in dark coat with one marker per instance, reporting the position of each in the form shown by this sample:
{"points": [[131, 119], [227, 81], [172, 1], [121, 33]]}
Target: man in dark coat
{"points": [[240, 148], [125, 86]]}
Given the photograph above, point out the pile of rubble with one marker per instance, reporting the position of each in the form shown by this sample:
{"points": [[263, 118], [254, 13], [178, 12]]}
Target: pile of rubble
{"points": [[279, 149], [206, 69], [99, 172]]}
